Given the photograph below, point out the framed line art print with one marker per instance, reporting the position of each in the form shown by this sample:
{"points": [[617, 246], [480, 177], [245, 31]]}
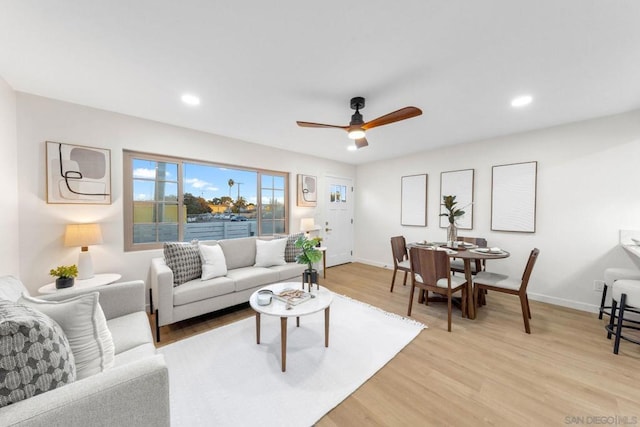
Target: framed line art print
{"points": [[413, 207], [77, 174], [307, 190], [513, 197], [460, 184]]}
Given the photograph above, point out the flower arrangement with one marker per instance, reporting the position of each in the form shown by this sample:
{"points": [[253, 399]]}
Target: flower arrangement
{"points": [[309, 253], [64, 271], [449, 203]]}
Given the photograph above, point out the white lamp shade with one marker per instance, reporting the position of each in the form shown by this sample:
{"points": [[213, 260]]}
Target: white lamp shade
{"points": [[82, 235], [307, 224]]}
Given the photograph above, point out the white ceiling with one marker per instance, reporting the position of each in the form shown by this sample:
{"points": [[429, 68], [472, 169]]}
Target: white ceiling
{"points": [[259, 66]]}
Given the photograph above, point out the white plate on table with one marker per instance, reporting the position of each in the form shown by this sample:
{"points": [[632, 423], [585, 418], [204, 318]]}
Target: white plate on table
{"points": [[488, 251], [447, 250], [466, 245]]}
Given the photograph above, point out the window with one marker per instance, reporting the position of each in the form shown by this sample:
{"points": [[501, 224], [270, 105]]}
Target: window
{"points": [[338, 193], [173, 199]]}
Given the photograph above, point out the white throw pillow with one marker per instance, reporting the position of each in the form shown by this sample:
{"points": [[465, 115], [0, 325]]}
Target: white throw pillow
{"points": [[213, 262], [270, 252], [11, 288], [83, 322]]}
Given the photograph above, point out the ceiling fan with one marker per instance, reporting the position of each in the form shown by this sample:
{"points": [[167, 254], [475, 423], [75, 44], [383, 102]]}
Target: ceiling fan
{"points": [[357, 126]]}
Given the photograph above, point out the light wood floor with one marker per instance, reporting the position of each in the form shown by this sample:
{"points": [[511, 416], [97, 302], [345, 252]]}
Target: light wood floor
{"points": [[487, 371]]}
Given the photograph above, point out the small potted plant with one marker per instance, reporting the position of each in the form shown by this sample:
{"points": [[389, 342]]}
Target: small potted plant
{"points": [[65, 275], [309, 255]]}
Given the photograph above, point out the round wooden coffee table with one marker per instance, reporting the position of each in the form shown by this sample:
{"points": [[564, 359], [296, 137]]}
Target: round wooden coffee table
{"points": [[321, 300]]}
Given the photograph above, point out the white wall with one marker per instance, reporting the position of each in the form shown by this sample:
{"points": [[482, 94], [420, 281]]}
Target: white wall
{"points": [[9, 250], [588, 189], [42, 225]]}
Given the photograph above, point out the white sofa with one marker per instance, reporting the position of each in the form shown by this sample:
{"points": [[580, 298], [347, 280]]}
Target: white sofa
{"points": [[135, 391], [197, 297]]}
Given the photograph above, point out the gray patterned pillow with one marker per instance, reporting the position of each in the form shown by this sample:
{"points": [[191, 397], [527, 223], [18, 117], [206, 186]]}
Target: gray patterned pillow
{"points": [[290, 251], [184, 260], [34, 354]]}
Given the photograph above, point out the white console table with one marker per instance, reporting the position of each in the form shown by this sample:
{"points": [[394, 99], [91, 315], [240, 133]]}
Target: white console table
{"points": [[95, 281]]}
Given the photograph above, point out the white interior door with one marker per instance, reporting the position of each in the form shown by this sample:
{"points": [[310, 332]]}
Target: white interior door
{"points": [[337, 228]]}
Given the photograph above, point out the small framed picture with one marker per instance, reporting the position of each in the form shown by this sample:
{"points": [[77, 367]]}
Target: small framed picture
{"points": [[77, 174], [307, 190]]}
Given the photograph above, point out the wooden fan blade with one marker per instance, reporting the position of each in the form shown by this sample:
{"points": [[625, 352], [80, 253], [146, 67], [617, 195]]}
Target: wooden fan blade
{"points": [[396, 116], [361, 142], [320, 125]]}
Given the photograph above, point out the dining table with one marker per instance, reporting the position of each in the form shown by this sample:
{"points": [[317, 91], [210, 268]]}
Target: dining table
{"points": [[467, 253]]}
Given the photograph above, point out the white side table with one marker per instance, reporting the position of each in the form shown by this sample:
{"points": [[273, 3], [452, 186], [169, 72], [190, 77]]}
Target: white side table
{"points": [[95, 281]]}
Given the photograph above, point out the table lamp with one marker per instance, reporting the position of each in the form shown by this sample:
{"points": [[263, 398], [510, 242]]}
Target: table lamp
{"points": [[83, 235], [306, 225]]}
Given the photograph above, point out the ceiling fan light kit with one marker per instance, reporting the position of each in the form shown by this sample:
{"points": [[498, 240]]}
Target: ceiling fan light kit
{"points": [[356, 133], [357, 127]]}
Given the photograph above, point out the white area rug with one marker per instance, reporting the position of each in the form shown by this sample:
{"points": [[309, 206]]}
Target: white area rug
{"points": [[223, 378]]}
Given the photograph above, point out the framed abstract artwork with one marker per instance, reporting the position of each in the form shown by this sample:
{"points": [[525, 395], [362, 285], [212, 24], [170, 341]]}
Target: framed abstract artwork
{"points": [[77, 174], [307, 190], [413, 209], [513, 197], [459, 184]]}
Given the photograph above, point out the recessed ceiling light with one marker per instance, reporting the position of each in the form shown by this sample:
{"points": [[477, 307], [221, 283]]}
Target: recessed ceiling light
{"points": [[521, 101], [352, 147], [190, 99]]}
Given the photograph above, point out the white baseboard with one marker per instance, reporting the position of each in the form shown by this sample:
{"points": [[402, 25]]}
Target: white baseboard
{"points": [[374, 263], [591, 308]]}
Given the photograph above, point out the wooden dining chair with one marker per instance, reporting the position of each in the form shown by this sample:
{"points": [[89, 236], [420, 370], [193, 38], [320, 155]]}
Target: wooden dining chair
{"points": [[431, 271], [485, 280], [457, 265], [400, 259]]}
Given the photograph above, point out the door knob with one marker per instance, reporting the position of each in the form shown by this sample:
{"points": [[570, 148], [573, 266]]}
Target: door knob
{"points": [[327, 229]]}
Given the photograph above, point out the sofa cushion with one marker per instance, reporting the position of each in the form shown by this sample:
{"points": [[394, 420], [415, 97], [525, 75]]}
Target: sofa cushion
{"points": [[197, 290], [136, 353], [270, 252], [130, 331], [251, 277], [35, 355], [290, 251], [85, 326], [290, 271], [184, 260], [11, 288], [239, 252], [213, 261]]}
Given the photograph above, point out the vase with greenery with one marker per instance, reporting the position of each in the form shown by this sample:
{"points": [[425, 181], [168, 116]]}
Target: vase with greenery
{"points": [[309, 255], [449, 203], [65, 275]]}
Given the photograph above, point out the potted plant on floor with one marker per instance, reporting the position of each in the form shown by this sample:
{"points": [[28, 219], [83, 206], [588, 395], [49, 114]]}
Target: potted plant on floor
{"points": [[65, 275], [309, 255]]}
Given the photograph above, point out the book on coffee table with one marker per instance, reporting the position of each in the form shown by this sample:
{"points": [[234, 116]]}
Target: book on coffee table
{"points": [[293, 296]]}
